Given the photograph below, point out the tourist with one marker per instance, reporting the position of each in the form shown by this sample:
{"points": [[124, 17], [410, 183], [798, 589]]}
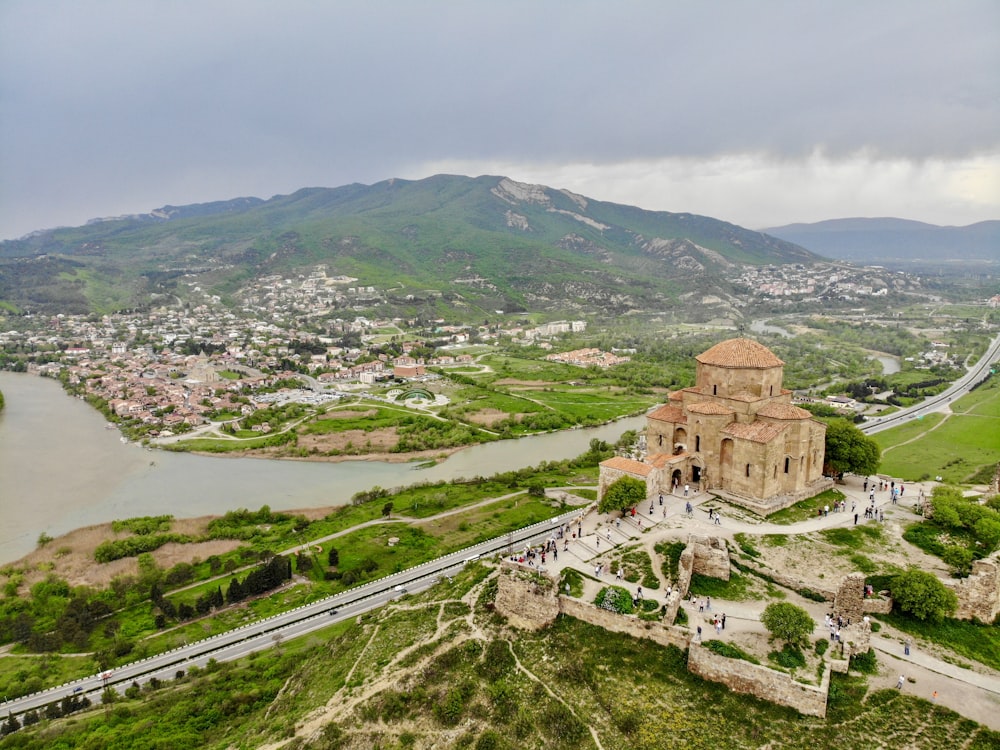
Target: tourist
{"points": [[900, 681], [855, 519], [708, 603], [661, 501], [718, 518], [723, 620], [686, 488], [699, 633], [906, 647]]}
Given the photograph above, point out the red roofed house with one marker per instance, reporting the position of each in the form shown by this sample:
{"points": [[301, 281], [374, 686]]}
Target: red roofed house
{"points": [[735, 432]]}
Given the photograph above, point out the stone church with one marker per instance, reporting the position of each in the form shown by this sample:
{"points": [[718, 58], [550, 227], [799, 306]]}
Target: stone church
{"points": [[734, 433]]}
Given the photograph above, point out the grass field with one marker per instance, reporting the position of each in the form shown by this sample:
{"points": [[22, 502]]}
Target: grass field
{"points": [[956, 448]]}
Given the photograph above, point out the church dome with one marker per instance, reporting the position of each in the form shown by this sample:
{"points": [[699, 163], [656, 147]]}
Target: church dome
{"points": [[740, 353]]}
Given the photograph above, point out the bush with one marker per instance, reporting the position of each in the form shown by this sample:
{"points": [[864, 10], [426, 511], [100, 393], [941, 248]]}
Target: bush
{"points": [[723, 648], [615, 599], [822, 645], [788, 622], [790, 657], [921, 595], [866, 663]]}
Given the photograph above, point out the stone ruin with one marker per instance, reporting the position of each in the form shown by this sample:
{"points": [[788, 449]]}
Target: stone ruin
{"points": [[529, 599], [979, 594], [705, 555]]}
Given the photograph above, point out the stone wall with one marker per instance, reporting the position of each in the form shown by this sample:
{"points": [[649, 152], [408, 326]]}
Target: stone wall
{"points": [[526, 598], [665, 635], [795, 584], [880, 605], [773, 504], [705, 555], [849, 600], [979, 594], [752, 679]]}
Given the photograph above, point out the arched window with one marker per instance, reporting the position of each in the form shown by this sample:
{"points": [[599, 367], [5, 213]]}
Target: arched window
{"points": [[715, 390], [748, 469], [787, 463], [697, 443]]}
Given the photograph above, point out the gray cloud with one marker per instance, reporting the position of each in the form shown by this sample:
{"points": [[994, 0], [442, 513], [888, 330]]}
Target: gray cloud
{"points": [[113, 107]]}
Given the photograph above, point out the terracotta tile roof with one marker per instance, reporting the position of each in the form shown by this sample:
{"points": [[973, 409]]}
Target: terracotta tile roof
{"points": [[628, 464], [710, 408], [740, 353], [675, 396], [659, 460], [783, 411], [668, 413], [755, 432]]}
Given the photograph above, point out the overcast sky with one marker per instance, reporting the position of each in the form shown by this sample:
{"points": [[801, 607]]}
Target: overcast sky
{"points": [[760, 113]]}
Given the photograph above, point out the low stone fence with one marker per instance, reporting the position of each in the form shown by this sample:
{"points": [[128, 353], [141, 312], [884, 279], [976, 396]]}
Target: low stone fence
{"points": [[665, 635], [753, 679], [878, 605]]}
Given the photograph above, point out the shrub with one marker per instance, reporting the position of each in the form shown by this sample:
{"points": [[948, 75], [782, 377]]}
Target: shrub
{"points": [[866, 663], [615, 599], [790, 657], [923, 596], [723, 648], [822, 645], [788, 622]]}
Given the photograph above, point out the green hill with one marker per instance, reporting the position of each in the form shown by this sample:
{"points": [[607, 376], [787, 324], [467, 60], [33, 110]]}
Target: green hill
{"points": [[488, 241]]}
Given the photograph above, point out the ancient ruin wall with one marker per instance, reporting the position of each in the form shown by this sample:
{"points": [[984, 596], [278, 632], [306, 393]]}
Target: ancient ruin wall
{"points": [[526, 598], [705, 555], [849, 602], [764, 683], [665, 635], [979, 594]]}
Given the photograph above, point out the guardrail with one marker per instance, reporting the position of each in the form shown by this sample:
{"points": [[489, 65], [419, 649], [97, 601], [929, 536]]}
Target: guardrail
{"points": [[275, 622]]}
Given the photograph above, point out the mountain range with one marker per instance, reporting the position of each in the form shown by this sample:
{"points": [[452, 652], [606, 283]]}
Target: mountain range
{"points": [[487, 242], [891, 241]]}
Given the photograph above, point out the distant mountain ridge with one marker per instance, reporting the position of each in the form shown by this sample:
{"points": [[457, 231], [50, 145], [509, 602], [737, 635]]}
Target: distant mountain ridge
{"points": [[888, 239], [489, 242]]}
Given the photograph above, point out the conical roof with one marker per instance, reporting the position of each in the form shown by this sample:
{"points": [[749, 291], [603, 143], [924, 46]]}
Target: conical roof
{"points": [[740, 353]]}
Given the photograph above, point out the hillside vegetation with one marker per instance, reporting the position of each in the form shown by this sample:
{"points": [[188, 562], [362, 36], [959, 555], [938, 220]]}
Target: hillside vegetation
{"points": [[491, 242]]}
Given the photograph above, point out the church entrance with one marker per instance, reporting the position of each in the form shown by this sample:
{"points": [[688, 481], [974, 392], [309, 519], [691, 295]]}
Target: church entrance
{"points": [[695, 474], [676, 478]]}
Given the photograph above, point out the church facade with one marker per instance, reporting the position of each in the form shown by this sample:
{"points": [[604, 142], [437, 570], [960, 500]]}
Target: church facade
{"points": [[735, 432]]}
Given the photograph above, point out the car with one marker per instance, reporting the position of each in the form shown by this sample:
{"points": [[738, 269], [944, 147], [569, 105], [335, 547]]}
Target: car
{"points": [[399, 588], [332, 611]]}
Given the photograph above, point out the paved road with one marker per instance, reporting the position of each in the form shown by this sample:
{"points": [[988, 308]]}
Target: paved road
{"points": [[237, 643], [940, 402]]}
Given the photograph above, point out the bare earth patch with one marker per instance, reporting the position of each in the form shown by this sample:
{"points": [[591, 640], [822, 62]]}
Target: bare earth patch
{"points": [[487, 417]]}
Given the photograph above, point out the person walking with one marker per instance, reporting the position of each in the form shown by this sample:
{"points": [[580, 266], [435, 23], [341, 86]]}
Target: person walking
{"points": [[686, 488], [723, 620], [900, 681], [906, 648]]}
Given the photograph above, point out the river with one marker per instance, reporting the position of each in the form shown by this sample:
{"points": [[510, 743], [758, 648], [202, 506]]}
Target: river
{"points": [[61, 468]]}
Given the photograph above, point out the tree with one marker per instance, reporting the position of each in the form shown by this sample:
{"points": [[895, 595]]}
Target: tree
{"points": [[849, 449], [923, 596], [333, 557], [623, 493], [387, 509], [788, 622]]}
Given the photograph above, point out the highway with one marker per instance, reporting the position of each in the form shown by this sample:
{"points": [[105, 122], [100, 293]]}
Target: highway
{"points": [[262, 634], [960, 387]]}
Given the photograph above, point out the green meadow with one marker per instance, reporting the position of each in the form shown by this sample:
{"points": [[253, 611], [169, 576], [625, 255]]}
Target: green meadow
{"points": [[960, 448]]}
